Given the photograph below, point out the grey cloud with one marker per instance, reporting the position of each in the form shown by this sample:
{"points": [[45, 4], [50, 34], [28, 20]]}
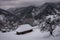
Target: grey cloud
{"points": [[13, 3], [6, 0]]}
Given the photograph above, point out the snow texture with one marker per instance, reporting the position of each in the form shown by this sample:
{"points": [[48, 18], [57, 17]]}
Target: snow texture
{"points": [[24, 27], [35, 35], [52, 17]]}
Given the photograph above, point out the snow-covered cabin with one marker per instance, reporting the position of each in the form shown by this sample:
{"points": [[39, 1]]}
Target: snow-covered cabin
{"points": [[23, 29]]}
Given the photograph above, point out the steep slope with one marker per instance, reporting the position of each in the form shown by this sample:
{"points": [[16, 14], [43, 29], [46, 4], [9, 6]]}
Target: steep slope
{"points": [[24, 11], [46, 9], [36, 12], [8, 14]]}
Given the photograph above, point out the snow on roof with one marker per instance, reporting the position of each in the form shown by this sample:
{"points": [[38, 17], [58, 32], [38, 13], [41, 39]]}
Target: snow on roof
{"points": [[24, 27]]}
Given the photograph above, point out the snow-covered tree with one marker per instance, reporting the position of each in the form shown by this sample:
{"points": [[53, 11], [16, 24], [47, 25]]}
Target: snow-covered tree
{"points": [[50, 23]]}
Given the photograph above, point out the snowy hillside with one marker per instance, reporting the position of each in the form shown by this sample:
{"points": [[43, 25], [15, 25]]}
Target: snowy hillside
{"points": [[35, 35]]}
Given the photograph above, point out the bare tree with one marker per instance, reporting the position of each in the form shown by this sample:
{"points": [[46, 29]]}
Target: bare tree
{"points": [[50, 24]]}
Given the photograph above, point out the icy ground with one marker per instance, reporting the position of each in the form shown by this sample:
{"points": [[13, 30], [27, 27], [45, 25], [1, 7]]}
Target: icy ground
{"points": [[35, 35]]}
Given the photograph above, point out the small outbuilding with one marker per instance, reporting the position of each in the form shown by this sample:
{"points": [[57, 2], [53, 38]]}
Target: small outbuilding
{"points": [[23, 29]]}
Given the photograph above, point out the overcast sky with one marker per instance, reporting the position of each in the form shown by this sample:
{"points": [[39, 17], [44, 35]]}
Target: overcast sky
{"points": [[5, 4]]}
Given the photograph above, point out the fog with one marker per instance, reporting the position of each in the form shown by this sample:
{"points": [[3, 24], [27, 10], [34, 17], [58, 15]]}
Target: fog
{"points": [[5, 4]]}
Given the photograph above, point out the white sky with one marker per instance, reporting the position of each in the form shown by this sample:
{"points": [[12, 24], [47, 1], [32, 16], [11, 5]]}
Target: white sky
{"points": [[5, 4]]}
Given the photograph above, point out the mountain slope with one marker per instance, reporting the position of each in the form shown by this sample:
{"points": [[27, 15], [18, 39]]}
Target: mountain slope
{"points": [[46, 9]]}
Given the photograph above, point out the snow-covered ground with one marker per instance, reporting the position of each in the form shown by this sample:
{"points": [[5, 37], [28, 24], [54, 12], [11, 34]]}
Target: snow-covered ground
{"points": [[35, 35]]}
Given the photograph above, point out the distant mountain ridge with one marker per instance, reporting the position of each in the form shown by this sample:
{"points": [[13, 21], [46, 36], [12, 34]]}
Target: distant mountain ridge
{"points": [[33, 11], [47, 9], [27, 15]]}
